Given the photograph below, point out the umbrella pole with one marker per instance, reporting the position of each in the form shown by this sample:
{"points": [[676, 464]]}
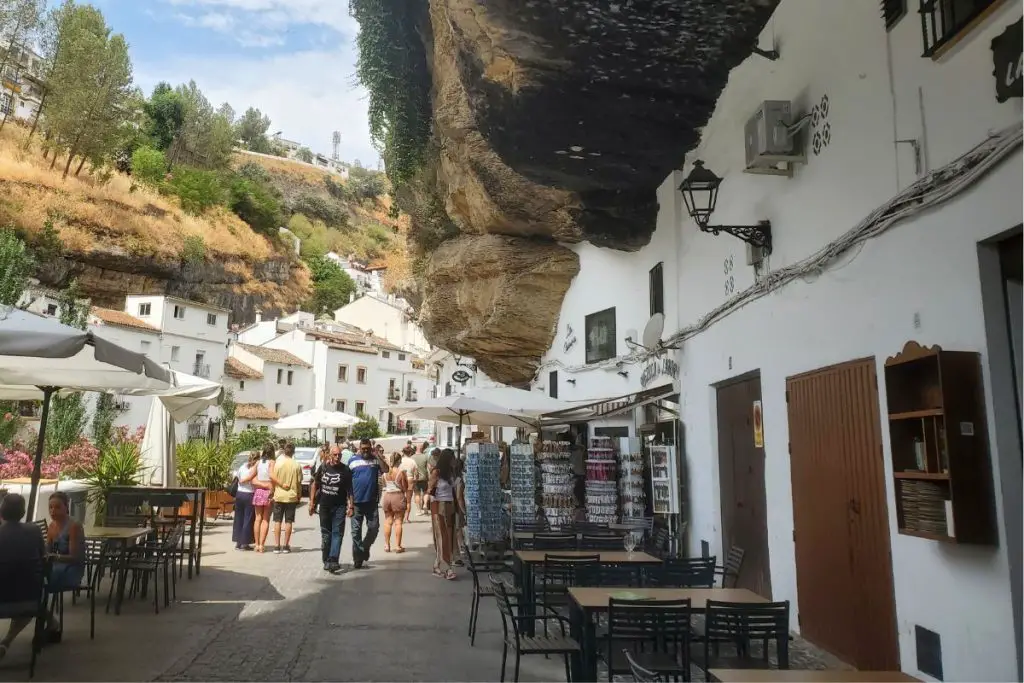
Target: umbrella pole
{"points": [[37, 465]]}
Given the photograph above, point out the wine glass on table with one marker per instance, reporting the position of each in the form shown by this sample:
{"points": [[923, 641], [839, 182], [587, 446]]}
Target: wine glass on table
{"points": [[629, 541]]}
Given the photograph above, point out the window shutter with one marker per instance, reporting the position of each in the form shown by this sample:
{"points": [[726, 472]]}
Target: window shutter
{"points": [[892, 12]]}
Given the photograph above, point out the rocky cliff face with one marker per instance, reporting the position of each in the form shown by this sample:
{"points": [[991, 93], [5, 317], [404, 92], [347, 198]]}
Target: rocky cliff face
{"points": [[554, 121]]}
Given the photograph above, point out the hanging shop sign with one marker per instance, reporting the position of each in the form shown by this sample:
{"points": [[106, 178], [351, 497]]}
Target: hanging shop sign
{"points": [[657, 368], [758, 426], [570, 339], [461, 376], [1006, 56]]}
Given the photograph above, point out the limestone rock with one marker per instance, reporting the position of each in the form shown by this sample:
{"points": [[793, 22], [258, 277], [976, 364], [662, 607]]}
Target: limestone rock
{"points": [[497, 299]]}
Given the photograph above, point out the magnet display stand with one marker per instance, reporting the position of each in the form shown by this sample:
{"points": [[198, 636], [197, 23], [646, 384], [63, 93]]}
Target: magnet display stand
{"points": [[602, 481], [484, 498], [632, 496], [523, 473], [556, 482]]}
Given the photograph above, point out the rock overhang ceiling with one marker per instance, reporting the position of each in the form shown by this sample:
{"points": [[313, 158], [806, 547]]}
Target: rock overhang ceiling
{"points": [[556, 121]]}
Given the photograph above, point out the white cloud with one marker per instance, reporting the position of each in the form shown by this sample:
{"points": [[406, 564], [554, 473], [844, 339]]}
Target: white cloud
{"points": [[279, 15], [307, 95]]}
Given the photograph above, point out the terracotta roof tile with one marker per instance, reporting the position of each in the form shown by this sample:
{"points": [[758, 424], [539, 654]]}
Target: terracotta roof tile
{"points": [[254, 411], [275, 355], [109, 316], [239, 370]]}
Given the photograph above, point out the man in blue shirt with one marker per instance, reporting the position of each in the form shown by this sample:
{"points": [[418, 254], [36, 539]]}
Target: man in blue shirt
{"points": [[366, 470]]}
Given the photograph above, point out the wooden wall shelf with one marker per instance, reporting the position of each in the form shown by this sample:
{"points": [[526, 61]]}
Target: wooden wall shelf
{"points": [[938, 438]]}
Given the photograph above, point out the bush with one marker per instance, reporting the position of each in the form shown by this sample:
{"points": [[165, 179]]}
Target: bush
{"points": [[366, 184], [193, 251], [251, 438], [16, 267], [320, 209], [197, 190], [337, 190], [366, 428], [253, 171], [149, 166], [203, 464], [255, 203]]}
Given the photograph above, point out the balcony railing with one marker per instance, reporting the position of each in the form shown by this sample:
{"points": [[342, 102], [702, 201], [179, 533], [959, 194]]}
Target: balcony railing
{"points": [[394, 394], [201, 370], [412, 395], [433, 391]]}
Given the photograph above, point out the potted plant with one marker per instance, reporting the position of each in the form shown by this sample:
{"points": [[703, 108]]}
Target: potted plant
{"points": [[120, 464], [206, 465]]}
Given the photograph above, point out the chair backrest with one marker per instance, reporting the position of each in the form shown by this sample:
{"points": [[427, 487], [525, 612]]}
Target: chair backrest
{"points": [[554, 541], [664, 624], [603, 575], [733, 563], [173, 538], [640, 674], [562, 572], [601, 542], [508, 615], [743, 623], [659, 542], [683, 572], [530, 526], [43, 526]]}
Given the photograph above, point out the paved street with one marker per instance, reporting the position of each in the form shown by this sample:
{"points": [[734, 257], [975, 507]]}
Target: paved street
{"points": [[280, 617]]}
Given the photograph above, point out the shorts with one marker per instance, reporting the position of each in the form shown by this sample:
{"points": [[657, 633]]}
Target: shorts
{"points": [[261, 498], [420, 486], [285, 512], [393, 503]]}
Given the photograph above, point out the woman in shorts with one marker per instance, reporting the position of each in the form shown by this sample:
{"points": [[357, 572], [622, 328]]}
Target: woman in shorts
{"points": [[262, 497], [394, 503]]}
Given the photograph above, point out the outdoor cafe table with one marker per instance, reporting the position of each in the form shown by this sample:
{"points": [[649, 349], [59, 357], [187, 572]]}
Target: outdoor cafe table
{"points": [[121, 538], [585, 603], [526, 559], [804, 676]]}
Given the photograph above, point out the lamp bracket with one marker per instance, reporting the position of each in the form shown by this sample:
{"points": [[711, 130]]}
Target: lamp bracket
{"points": [[772, 55], [759, 235]]}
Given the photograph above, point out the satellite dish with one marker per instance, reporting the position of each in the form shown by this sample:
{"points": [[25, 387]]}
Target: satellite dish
{"points": [[652, 331]]}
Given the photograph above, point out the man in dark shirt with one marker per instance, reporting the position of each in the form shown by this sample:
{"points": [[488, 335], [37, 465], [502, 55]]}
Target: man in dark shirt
{"points": [[21, 557], [366, 468], [331, 491]]}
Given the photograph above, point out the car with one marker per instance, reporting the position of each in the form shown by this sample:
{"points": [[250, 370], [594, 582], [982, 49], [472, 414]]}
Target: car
{"points": [[306, 457], [240, 459]]}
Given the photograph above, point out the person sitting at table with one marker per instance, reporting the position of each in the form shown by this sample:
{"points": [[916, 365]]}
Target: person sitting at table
{"points": [[19, 543], [65, 539]]}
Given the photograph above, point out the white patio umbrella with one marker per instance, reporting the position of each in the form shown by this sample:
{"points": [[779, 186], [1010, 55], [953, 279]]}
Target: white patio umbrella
{"points": [[464, 409], [315, 418], [40, 356]]}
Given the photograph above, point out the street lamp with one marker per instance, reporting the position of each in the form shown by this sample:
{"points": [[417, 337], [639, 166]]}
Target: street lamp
{"points": [[700, 194]]}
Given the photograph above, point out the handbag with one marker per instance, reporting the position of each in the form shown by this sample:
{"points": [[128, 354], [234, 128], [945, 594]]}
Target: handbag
{"points": [[233, 487]]}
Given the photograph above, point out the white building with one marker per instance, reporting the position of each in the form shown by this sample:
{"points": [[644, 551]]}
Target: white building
{"points": [[454, 374], [21, 85], [802, 342], [267, 384], [386, 316], [368, 277]]}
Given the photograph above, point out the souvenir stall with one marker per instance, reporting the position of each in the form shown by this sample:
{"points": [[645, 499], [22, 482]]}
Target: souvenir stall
{"points": [[523, 475], [484, 497], [557, 498], [602, 481], [632, 483]]}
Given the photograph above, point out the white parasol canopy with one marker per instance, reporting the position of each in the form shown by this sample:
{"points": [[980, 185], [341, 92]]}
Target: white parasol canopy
{"points": [[463, 409], [316, 418]]}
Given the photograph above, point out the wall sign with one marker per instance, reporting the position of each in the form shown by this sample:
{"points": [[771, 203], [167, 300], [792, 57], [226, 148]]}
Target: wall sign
{"points": [[599, 329], [758, 426], [461, 376], [664, 366], [1006, 56], [570, 339]]}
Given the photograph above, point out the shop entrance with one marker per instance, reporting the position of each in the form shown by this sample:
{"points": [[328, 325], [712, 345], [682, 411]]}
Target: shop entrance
{"points": [[840, 517], [741, 479]]}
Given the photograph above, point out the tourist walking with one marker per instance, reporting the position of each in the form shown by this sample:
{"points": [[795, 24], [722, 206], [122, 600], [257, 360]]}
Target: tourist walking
{"points": [[242, 527], [408, 466], [287, 478], [262, 497], [441, 497], [367, 468], [330, 491], [420, 482], [394, 502]]}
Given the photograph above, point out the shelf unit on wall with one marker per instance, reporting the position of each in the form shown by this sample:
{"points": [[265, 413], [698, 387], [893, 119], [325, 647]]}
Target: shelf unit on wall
{"points": [[937, 434]]}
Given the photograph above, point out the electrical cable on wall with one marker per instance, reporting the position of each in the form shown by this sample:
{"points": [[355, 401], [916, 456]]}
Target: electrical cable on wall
{"points": [[934, 189]]}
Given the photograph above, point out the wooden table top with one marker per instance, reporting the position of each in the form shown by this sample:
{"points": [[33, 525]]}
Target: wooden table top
{"points": [[528, 535], [596, 599], [798, 676], [607, 556], [116, 532]]}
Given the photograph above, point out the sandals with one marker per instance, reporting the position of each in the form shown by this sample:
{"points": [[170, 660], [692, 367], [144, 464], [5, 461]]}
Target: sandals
{"points": [[439, 574], [399, 550], [387, 549], [450, 575]]}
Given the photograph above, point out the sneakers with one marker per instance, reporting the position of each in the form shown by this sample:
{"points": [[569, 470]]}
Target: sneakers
{"points": [[358, 558], [287, 549], [277, 550]]}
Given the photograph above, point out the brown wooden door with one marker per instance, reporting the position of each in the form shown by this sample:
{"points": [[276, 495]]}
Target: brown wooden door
{"points": [[840, 517], [741, 478]]}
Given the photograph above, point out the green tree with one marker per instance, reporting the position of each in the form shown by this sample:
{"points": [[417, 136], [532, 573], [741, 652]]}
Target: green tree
{"points": [[366, 184], [68, 415], [332, 287], [228, 408], [165, 110], [103, 418], [16, 266], [252, 129], [149, 166], [205, 138], [255, 203], [19, 25], [304, 154], [198, 190], [366, 428]]}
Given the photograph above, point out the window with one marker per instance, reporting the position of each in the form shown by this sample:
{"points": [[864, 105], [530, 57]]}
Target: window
{"points": [[299, 409], [451, 436], [145, 309], [277, 408], [280, 374], [401, 356], [893, 11], [289, 377], [241, 385], [51, 309], [360, 408], [385, 354], [447, 388], [145, 346], [340, 406], [211, 319], [361, 375], [944, 21], [656, 280], [179, 312], [600, 333], [175, 352], [553, 384], [5, 103], [342, 373]]}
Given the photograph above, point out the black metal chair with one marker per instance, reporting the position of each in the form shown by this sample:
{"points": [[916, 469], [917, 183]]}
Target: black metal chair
{"points": [[684, 572], [657, 544], [529, 645], [640, 674], [604, 576], [23, 596], [730, 572], [150, 559], [476, 568], [559, 574], [601, 542], [739, 625], [657, 633], [94, 561], [553, 541]]}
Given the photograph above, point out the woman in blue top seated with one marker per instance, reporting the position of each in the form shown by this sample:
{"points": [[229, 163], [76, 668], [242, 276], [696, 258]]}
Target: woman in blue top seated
{"points": [[65, 540]]}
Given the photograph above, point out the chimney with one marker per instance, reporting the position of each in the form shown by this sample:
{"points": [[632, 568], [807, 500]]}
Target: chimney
{"points": [[259, 316]]}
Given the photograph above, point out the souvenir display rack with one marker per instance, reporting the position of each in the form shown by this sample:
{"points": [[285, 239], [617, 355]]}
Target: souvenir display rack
{"points": [[664, 483], [632, 498], [522, 471], [602, 481], [484, 498], [556, 478]]}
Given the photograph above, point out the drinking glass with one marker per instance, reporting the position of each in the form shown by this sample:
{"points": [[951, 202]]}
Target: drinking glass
{"points": [[629, 541]]}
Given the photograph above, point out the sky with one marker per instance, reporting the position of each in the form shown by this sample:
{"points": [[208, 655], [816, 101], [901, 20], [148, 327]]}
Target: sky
{"points": [[294, 60]]}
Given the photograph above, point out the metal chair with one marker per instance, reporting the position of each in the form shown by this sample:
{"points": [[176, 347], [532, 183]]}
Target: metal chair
{"points": [[657, 544], [640, 674], [618, 576], [739, 625], [601, 542], [554, 541], [684, 572], [476, 568], [94, 560], [658, 634], [730, 572], [23, 595]]}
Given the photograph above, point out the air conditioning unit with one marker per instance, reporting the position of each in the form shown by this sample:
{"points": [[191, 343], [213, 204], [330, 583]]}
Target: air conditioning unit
{"points": [[770, 146]]}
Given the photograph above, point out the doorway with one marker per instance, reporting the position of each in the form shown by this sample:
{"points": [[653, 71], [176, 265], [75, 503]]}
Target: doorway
{"points": [[840, 515], [741, 480]]}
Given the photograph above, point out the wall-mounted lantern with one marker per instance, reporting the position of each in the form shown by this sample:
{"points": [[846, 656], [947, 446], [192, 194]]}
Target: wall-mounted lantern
{"points": [[700, 193]]}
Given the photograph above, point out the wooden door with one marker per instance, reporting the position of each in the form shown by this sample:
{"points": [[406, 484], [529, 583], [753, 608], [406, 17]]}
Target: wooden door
{"points": [[840, 515], [741, 479]]}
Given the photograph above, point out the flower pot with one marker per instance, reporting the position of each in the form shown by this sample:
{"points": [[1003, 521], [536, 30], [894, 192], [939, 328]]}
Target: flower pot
{"points": [[185, 509]]}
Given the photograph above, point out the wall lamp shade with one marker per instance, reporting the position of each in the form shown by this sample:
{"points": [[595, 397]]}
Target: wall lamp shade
{"points": [[700, 194]]}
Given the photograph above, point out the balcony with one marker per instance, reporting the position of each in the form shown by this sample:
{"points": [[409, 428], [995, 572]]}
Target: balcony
{"points": [[197, 428], [411, 395], [394, 394], [433, 391], [201, 370]]}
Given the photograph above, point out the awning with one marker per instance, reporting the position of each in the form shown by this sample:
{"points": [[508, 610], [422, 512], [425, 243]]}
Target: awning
{"points": [[610, 407]]}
